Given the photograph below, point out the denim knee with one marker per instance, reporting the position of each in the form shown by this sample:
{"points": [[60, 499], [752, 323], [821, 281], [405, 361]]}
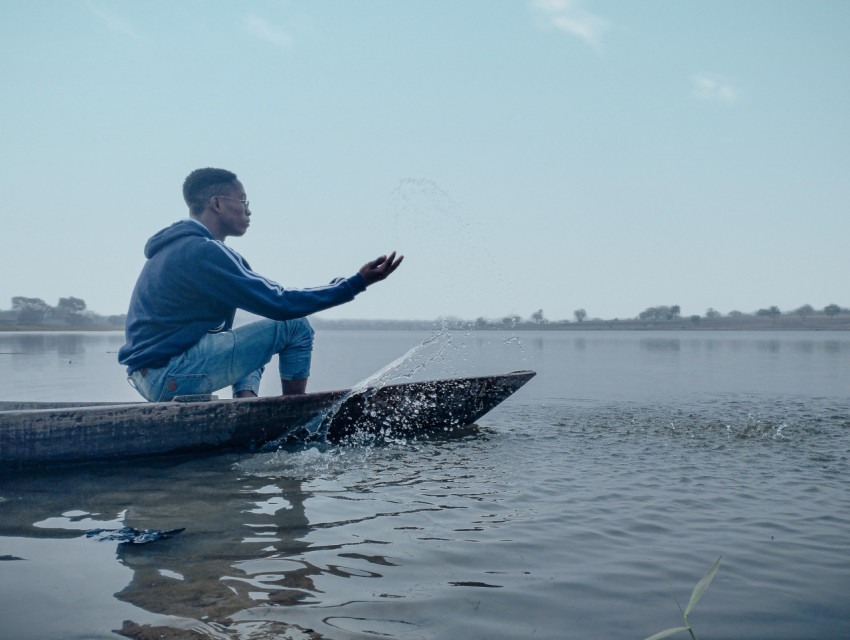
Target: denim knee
{"points": [[296, 356]]}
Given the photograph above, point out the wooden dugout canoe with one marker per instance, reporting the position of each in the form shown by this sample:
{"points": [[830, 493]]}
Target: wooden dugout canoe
{"points": [[33, 433]]}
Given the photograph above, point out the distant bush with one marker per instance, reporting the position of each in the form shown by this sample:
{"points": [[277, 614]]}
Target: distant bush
{"points": [[70, 312]]}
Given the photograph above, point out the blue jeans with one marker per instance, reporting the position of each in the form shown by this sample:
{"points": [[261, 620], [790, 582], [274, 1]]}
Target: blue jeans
{"points": [[231, 358]]}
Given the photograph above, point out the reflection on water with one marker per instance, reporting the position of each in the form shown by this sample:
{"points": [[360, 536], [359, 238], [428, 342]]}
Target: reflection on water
{"points": [[40, 343], [246, 542], [235, 553], [558, 522], [82, 366], [661, 344], [805, 346], [771, 346], [239, 531], [624, 468], [62, 366]]}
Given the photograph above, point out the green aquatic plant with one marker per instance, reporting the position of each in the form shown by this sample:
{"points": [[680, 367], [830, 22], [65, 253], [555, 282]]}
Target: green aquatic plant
{"points": [[702, 585]]}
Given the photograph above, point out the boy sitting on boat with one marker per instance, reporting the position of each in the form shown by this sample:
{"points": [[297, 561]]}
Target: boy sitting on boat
{"points": [[180, 335]]}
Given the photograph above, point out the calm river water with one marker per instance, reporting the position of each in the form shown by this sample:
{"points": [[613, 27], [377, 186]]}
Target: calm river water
{"points": [[622, 471]]}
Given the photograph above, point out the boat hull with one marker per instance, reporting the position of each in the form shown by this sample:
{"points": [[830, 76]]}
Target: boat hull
{"points": [[43, 433]]}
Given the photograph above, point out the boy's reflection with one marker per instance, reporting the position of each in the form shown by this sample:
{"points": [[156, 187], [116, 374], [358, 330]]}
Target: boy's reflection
{"points": [[240, 530], [234, 553]]}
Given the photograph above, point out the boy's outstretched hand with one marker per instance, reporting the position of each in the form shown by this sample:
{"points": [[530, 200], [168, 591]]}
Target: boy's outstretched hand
{"points": [[380, 268]]}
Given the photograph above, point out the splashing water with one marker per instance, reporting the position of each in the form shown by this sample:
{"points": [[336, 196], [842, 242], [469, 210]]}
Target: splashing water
{"points": [[437, 227], [418, 358], [444, 231], [445, 354], [318, 457]]}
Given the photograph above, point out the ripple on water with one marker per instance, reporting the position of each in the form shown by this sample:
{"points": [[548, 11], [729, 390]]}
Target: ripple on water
{"points": [[550, 522]]}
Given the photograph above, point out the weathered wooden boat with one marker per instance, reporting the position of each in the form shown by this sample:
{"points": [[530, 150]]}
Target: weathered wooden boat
{"points": [[33, 433]]}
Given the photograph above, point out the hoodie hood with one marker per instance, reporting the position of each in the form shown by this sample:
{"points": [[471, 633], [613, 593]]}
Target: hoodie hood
{"points": [[178, 230]]}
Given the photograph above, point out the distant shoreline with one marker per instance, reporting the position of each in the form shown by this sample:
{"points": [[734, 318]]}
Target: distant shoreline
{"points": [[745, 323]]}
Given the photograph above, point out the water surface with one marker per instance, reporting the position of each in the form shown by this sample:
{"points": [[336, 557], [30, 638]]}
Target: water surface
{"points": [[626, 467]]}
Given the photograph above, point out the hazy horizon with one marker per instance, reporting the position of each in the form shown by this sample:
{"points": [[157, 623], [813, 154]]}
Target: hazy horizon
{"points": [[662, 317], [541, 154]]}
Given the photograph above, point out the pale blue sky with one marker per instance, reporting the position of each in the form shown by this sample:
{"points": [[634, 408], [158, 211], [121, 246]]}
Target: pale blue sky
{"points": [[521, 154]]}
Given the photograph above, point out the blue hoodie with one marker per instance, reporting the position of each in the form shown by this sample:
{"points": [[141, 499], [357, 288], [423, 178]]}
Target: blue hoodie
{"points": [[192, 284]]}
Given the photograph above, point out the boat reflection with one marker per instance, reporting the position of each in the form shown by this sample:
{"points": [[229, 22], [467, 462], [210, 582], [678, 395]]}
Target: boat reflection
{"points": [[240, 537]]}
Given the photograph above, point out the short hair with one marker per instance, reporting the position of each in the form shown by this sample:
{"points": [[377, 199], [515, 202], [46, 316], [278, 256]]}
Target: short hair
{"points": [[202, 184]]}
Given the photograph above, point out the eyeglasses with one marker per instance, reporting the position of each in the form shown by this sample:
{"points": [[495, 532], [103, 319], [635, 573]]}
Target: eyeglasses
{"points": [[245, 203]]}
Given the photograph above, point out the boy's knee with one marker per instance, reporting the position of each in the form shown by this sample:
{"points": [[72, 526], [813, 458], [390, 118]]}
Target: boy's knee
{"points": [[301, 333], [295, 357]]}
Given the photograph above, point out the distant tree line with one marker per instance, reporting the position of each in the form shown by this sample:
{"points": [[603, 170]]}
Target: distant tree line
{"points": [[661, 314], [68, 312], [72, 312]]}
